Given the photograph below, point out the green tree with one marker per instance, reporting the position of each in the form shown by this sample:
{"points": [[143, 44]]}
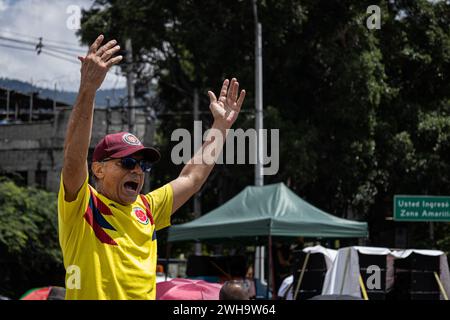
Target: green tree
{"points": [[411, 135], [29, 247]]}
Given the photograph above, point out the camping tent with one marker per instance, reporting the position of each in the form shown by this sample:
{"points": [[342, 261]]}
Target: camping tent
{"points": [[271, 210], [343, 278], [288, 289]]}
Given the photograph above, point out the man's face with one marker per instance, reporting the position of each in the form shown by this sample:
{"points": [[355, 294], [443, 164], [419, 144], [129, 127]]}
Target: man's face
{"points": [[117, 183]]}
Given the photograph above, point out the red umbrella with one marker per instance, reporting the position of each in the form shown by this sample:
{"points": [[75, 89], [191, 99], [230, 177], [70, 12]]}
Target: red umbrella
{"points": [[187, 289], [45, 293], [37, 294]]}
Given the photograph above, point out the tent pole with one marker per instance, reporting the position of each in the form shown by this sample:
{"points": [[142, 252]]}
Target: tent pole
{"points": [[302, 273], [262, 275], [441, 287], [272, 271]]}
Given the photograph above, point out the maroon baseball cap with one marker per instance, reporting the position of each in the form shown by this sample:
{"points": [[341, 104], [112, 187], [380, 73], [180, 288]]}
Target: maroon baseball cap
{"points": [[123, 144]]}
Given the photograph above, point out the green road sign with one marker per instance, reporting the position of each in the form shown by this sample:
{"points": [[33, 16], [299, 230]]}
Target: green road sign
{"points": [[421, 208]]}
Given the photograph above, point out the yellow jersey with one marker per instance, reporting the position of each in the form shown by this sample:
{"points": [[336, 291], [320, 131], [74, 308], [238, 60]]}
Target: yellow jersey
{"points": [[110, 249]]}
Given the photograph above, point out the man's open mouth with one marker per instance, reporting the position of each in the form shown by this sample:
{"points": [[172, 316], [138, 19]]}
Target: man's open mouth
{"points": [[131, 186]]}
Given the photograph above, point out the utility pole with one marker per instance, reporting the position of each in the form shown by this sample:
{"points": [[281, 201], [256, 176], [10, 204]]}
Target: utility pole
{"points": [[432, 234], [130, 86], [259, 177], [108, 113], [8, 93], [54, 103], [30, 116], [55, 112], [197, 196], [259, 180]]}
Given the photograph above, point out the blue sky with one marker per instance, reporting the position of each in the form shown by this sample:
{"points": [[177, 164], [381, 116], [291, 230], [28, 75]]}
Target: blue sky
{"points": [[27, 20]]}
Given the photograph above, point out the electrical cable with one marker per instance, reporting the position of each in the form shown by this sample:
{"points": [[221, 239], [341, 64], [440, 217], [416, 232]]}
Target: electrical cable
{"points": [[19, 34], [59, 57], [57, 42], [41, 42], [18, 41], [62, 47], [16, 47]]}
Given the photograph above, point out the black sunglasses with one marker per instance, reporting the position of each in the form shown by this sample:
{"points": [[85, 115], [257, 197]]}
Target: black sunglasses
{"points": [[130, 163]]}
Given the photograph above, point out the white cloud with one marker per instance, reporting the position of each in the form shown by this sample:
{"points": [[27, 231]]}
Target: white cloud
{"points": [[30, 19], [3, 5]]}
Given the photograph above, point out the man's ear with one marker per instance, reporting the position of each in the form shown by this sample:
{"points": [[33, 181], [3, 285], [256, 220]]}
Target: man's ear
{"points": [[98, 170]]}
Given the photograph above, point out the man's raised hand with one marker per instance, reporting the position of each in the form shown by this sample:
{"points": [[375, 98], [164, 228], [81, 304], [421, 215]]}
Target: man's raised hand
{"points": [[97, 62], [226, 109]]}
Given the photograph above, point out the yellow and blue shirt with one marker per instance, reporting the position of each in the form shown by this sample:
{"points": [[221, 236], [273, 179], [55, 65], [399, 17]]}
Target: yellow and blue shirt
{"points": [[112, 247]]}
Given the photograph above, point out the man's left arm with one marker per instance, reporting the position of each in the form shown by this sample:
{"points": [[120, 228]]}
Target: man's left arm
{"points": [[194, 174]]}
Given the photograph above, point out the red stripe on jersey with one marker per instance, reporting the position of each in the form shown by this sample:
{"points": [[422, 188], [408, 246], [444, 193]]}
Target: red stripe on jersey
{"points": [[147, 209], [89, 216], [99, 232], [100, 205]]}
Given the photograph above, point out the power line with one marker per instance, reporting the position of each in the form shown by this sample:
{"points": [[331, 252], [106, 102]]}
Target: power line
{"points": [[43, 52], [16, 47], [58, 42], [42, 43], [39, 46], [61, 42], [68, 55], [19, 34], [59, 57], [18, 41], [60, 52], [63, 48]]}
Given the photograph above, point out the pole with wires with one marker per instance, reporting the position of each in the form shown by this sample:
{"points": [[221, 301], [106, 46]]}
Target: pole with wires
{"points": [[259, 180], [197, 195], [30, 118], [61, 52], [130, 86], [8, 99]]}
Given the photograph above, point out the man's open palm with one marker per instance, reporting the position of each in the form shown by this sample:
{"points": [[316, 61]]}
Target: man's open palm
{"points": [[97, 62], [226, 109]]}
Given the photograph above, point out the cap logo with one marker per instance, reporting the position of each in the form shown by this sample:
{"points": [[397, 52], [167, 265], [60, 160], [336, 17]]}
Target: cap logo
{"points": [[131, 139]]}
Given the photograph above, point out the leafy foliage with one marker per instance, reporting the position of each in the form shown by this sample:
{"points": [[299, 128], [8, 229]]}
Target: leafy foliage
{"points": [[30, 253]]}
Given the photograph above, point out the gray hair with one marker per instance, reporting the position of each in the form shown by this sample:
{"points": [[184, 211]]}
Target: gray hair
{"points": [[234, 290]]}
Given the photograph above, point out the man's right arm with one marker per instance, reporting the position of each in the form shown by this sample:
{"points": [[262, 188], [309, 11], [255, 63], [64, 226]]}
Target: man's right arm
{"points": [[78, 136]]}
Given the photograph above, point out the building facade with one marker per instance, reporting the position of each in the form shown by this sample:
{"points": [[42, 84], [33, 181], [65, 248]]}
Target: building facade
{"points": [[32, 133]]}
